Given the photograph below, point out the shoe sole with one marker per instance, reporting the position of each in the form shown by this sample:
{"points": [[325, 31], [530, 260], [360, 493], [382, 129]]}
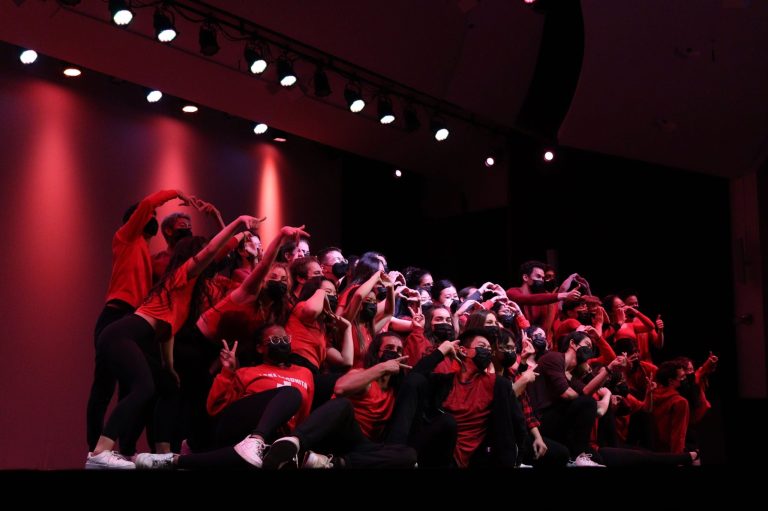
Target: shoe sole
{"points": [[281, 456]]}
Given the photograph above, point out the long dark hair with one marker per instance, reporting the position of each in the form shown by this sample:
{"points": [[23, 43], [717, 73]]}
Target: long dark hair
{"points": [[280, 310], [182, 252]]}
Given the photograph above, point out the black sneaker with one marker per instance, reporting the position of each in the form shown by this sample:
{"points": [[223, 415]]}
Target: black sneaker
{"points": [[283, 455]]}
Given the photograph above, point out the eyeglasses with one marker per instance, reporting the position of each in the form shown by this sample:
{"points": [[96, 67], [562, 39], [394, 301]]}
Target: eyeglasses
{"points": [[279, 339]]}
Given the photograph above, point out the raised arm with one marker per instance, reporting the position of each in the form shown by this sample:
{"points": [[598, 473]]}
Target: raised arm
{"points": [[355, 382], [356, 301], [255, 279], [134, 227], [208, 253]]}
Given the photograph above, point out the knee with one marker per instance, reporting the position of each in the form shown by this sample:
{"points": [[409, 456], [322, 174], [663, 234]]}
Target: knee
{"points": [[290, 395]]}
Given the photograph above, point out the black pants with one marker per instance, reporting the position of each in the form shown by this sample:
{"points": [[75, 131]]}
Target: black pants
{"points": [[570, 422], [332, 428], [128, 350], [193, 356], [324, 382], [103, 386], [260, 414], [557, 454]]}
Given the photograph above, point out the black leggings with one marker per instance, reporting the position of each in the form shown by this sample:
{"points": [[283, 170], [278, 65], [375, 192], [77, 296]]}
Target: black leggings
{"points": [[332, 428], [104, 381], [127, 349], [258, 414]]}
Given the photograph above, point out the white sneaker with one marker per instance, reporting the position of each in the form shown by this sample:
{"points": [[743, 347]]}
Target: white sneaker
{"points": [[315, 460], [108, 460], [251, 449], [584, 460], [149, 461]]}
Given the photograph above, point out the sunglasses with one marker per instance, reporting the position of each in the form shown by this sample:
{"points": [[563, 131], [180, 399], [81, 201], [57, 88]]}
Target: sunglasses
{"points": [[279, 339]]}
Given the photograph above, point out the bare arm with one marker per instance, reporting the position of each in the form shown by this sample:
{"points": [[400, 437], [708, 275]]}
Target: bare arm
{"points": [[356, 301], [253, 282], [355, 382], [346, 356], [208, 253]]}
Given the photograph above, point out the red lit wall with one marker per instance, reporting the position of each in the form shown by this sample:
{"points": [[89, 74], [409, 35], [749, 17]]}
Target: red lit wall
{"points": [[71, 160]]}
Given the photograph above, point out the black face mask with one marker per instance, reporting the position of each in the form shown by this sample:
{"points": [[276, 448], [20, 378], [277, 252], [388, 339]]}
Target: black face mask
{"points": [[443, 332], [537, 286], [482, 358], [583, 353], [151, 227], [368, 312], [629, 313], [279, 353], [276, 290], [509, 358], [523, 367], [585, 318], [539, 344], [507, 320], [381, 293], [333, 301], [621, 389], [454, 306], [180, 234], [339, 269], [550, 285], [388, 355]]}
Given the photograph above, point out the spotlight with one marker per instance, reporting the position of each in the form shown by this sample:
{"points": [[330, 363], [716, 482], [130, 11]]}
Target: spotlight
{"points": [[279, 136], [72, 71], [529, 2], [285, 72], [398, 173], [189, 109], [164, 29], [412, 122], [439, 129], [153, 96], [549, 155], [354, 97], [208, 44], [322, 85], [386, 113], [260, 128], [121, 14], [254, 57], [490, 161], [28, 56]]}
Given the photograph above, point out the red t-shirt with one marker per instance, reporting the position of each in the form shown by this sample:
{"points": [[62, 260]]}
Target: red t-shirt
{"points": [[231, 320], [174, 313], [230, 386], [470, 405], [373, 409], [416, 346], [131, 276], [535, 305], [307, 338]]}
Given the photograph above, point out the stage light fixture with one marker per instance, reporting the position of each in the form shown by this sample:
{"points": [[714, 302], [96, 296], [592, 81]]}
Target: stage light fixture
{"points": [[353, 95], [549, 155], [209, 46], [278, 136], [120, 12], [386, 113], [165, 31], [285, 72], [189, 109], [28, 56], [260, 128], [398, 173], [254, 57], [490, 161], [153, 96], [321, 83], [439, 128]]}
